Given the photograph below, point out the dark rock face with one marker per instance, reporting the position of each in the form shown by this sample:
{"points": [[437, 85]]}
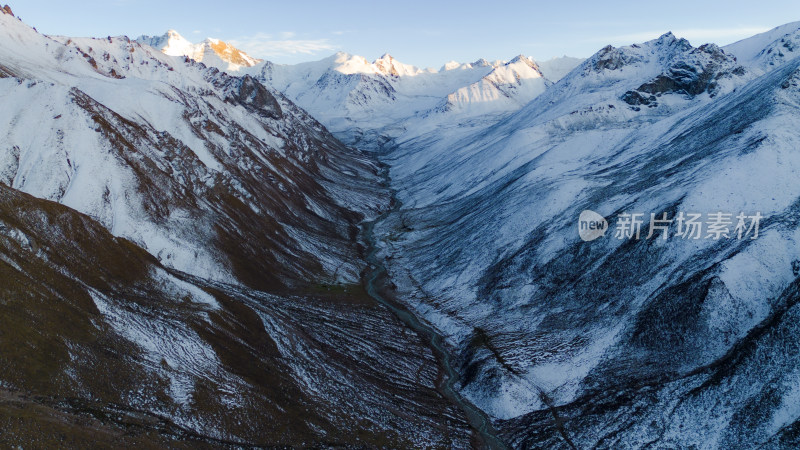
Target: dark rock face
{"points": [[611, 58], [637, 98], [792, 82], [257, 98], [690, 72]]}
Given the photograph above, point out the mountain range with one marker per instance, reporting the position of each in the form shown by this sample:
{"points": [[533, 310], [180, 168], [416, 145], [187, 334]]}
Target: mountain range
{"points": [[202, 248], [355, 98]]}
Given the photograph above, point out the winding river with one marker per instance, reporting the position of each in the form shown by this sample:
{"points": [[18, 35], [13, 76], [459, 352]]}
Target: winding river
{"points": [[377, 275]]}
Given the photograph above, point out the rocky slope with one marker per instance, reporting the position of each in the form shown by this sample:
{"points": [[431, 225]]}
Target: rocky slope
{"points": [[616, 343], [181, 266], [102, 344]]}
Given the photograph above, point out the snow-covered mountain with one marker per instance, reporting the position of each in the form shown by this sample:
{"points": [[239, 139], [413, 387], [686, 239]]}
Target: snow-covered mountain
{"points": [[180, 260], [174, 156], [765, 51], [617, 343], [507, 87], [189, 257], [350, 94], [211, 52], [369, 103], [555, 69]]}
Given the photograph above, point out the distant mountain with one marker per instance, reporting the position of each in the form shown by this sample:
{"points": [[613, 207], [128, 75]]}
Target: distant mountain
{"points": [[350, 94], [508, 87], [212, 52], [369, 104], [555, 69]]}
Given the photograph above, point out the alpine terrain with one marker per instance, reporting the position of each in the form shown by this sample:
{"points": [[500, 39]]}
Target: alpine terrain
{"points": [[202, 248], [181, 263]]}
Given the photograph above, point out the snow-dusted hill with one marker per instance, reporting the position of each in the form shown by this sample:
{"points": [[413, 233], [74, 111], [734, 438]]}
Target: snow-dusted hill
{"points": [[617, 343]]}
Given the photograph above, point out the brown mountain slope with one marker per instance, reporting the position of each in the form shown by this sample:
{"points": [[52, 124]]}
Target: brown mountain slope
{"points": [[96, 335]]}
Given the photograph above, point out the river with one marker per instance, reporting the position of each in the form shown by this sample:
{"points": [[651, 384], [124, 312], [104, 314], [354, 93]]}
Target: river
{"points": [[376, 277]]}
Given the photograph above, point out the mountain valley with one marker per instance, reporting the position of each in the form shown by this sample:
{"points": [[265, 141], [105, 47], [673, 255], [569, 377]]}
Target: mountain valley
{"points": [[202, 248]]}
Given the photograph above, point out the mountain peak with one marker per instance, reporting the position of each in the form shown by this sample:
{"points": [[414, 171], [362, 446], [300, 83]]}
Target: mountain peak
{"points": [[668, 39], [523, 59], [230, 54], [450, 65], [668, 36], [213, 52], [7, 10], [387, 64]]}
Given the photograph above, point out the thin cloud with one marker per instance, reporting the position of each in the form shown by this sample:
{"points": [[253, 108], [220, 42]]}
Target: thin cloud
{"points": [[721, 35], [262, 45]]}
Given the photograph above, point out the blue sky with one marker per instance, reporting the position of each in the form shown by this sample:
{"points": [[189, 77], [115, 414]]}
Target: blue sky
{"points": [[424, 33]]}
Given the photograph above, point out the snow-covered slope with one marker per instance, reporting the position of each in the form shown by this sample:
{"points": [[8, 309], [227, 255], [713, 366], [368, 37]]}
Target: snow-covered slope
{"points": [[369, 103], [507, 87], [180, 260], [616, 343], [765, 51], [211, 52], [350, 94]]}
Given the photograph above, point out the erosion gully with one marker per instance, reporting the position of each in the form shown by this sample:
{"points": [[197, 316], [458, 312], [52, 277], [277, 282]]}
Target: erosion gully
{"points": [[376, 278]]}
